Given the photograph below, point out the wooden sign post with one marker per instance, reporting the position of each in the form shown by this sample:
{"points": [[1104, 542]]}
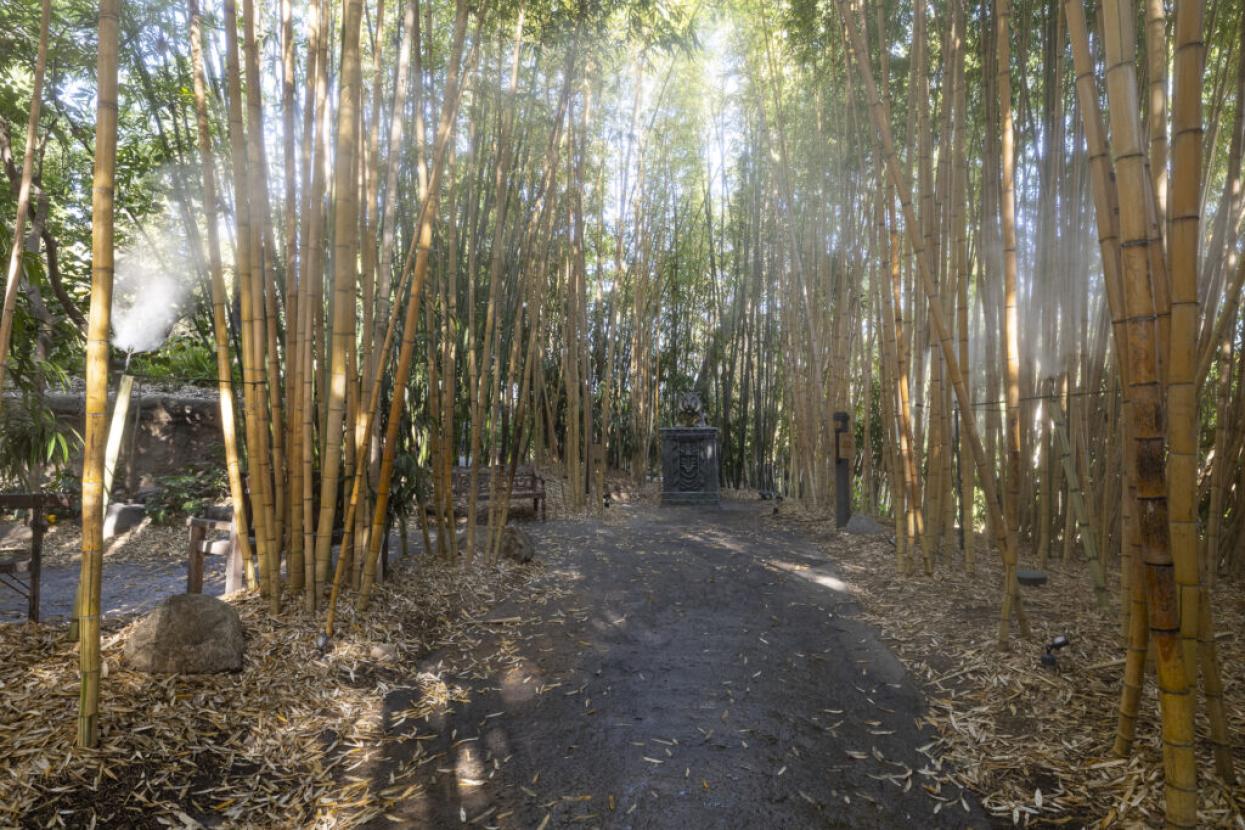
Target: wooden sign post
{"points": [[844, 454]]}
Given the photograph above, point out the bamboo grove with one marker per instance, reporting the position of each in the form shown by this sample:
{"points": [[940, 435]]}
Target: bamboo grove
{"points": [[1005, 236]]}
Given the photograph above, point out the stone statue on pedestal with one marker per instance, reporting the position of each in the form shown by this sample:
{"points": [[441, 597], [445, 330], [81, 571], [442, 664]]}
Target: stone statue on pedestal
{"points": [[689, 457]]}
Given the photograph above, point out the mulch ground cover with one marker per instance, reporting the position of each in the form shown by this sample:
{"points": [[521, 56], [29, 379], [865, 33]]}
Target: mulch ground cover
{"points": [[1035, 743], [286, 742]]}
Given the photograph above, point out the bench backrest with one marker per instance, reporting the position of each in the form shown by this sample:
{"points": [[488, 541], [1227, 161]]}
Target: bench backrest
{"points": [[526, 479]]}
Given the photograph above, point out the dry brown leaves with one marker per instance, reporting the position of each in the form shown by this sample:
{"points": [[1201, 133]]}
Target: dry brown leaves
{"points": [[145, 542], [1035, 744], [287, 742]]}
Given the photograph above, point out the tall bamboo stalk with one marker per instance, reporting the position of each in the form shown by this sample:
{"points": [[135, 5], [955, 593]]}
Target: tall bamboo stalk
{"points": [[224, 368], [13, 275], [97, 353], [1145, 344], [985, 472], [292, 508], [1011, 317], [1182, 380], [267, 456], [421, 248], [311, 286], [243, 257], [345, 248]]}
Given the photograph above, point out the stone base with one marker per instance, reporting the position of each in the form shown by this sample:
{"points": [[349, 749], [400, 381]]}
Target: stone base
{"points": [[669, 499], [689, 466]]}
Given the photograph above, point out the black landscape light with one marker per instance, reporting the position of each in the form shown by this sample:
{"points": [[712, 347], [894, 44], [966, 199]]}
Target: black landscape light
{"points": [[1048, 659]]}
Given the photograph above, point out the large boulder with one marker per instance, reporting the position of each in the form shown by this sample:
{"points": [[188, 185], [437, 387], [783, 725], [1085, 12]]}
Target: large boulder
{"points": [[187, 634], [517, 544]]}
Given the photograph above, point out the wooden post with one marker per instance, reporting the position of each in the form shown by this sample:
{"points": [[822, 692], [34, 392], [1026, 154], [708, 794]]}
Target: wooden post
{"points": [[844, 451], [38, 526], [234, 564], [116, 431], [194, 569]]}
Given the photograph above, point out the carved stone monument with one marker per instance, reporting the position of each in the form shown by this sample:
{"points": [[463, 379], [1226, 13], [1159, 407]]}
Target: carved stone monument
{"points": [[689, 457]]}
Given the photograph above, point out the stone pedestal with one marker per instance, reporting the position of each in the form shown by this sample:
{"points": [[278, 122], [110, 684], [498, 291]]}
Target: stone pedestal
{"points": [[689, 465]]}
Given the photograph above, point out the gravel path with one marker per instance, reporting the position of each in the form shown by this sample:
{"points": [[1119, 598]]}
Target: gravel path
{"points": [[128, 587]]}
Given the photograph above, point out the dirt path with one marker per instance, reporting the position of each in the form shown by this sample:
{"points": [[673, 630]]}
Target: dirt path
{"points": [[704, 669]]}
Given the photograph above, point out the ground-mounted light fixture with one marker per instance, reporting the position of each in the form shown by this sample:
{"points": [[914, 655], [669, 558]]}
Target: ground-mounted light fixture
{"points": [[1048, 659]]}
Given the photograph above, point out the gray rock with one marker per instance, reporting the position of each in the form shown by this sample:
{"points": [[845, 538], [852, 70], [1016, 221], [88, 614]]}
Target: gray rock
{"points": [[187, 634], [861, 524], [517, 544], [123, 517]]}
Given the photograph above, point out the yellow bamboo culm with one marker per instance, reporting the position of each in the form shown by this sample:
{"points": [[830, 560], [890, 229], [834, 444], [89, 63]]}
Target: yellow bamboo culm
{"points": [[985, 472], [1011, 320], [345, 278], [97, 353], [1196, 619], [1145, 340], [252, 399], [266, 452], [419, 271], [1182, 431], [224, 372]]}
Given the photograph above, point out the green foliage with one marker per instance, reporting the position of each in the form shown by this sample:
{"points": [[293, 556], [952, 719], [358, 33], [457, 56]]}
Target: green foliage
{"points": [[182, 358], [186, 494], [32, 440]]}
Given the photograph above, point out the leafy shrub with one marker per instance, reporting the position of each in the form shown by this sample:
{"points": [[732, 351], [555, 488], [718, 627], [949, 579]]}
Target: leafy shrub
{"points": [[186, 494], [182, 358], [32, 438]]}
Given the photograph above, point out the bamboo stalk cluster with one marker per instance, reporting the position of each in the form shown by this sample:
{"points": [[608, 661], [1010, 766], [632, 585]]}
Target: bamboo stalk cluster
{"points": [[499, 240]]}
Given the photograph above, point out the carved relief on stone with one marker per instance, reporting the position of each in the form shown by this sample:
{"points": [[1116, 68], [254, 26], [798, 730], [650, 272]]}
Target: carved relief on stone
{"points": [[689, 466]]}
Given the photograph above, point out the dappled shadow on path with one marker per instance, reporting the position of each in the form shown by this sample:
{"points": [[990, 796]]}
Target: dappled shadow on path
{"points": [[693, 670]]}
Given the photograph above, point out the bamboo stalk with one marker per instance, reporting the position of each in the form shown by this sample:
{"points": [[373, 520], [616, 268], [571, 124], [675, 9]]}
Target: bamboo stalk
{"points": [[1146, 351], [13, 276], [421, 248], [985, 473], [267, 471], [252, 385], [1182, 388], [97, 354], [292, 507], [311, 306], [224, 370], [1011, 321], [1182, 428], [345, 247]]}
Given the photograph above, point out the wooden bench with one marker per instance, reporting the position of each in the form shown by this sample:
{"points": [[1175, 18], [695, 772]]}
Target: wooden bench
{"points": [[21, 568], [527, 485]]}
